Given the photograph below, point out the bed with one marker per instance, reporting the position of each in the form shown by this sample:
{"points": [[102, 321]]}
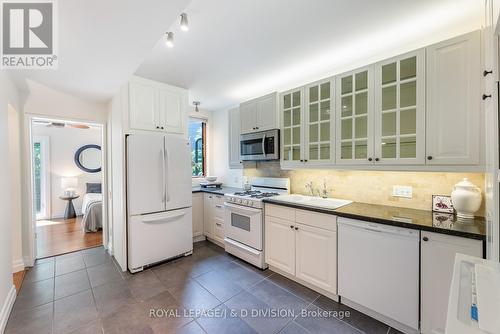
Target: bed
{"points": [[92, 208]]}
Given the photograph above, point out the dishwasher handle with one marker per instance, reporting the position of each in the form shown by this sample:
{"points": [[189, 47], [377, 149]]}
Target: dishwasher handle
{"points": [[378, 228]]}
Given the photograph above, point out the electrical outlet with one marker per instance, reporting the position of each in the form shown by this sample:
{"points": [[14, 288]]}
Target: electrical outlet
{"points": [[402, 191]]}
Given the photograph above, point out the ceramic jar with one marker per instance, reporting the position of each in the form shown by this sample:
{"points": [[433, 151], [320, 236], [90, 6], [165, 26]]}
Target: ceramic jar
{"points": [[466, 199]]}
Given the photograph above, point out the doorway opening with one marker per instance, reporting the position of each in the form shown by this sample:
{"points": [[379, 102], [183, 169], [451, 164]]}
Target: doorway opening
{"points": [[67, 182]]}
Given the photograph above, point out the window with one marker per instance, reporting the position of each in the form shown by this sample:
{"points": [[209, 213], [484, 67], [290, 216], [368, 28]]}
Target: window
{"points": [[197, 139], [41, 176]]}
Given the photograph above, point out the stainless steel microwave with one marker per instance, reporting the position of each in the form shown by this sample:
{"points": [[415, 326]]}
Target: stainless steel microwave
{"points": [[264, 145]]}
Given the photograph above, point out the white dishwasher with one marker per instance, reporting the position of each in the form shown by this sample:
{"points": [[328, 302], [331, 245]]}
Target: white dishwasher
{"points": [[378, 269]]}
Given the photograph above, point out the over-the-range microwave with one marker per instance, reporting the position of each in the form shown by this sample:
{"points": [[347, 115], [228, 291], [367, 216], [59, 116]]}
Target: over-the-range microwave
{"points": [[264, 145]]}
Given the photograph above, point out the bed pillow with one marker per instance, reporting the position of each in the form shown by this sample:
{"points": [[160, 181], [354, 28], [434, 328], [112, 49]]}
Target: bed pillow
{"points": [[94, 188]]}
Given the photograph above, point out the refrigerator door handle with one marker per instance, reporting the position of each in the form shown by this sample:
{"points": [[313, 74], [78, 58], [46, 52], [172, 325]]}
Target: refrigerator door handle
{"points": [[164, 218], [164, 181], [264, 145], [167, 194]]}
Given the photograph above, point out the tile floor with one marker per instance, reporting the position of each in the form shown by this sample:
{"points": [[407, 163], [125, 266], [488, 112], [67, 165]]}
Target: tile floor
{"points": [[208, 292]]}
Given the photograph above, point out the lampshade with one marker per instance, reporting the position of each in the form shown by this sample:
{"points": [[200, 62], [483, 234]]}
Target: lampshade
{"points": [[69, 182]]}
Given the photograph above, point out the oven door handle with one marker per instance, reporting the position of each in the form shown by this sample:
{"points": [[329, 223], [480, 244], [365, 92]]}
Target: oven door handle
{"points": [[264, 144], [241, 208]]}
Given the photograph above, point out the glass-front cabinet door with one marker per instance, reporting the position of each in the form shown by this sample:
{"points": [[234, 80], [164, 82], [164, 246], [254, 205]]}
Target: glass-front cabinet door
{"points": [[400, 109], [354, 105], [291, 103], [319, 119]]}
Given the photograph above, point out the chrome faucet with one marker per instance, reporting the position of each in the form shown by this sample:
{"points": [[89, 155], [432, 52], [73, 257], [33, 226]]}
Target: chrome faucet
{"points": [[324, 191], [309, 186]]}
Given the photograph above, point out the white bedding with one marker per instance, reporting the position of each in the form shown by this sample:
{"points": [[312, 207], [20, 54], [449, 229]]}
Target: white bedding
{"points": [[89, 199]]}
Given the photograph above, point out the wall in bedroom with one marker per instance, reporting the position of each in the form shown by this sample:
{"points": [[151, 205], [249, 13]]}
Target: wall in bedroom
{"points": [[63, 143]]}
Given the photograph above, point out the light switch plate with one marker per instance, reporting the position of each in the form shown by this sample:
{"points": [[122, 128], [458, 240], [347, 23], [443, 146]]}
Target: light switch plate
{"points": [[402, 191]]}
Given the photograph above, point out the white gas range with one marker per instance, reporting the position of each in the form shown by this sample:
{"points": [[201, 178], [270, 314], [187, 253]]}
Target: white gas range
{"points": [[244, 222]]}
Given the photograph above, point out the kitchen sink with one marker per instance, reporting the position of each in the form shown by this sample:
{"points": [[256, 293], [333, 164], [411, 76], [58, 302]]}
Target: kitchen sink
{"points": [[319, 202]]}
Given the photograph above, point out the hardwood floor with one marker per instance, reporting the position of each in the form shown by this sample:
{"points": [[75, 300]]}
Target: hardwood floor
{"points": [[18, 280], [59, 236]]}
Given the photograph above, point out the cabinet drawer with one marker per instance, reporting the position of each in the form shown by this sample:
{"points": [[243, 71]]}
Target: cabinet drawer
{"points": [[281, 212], [315, 219], [219, 211]]}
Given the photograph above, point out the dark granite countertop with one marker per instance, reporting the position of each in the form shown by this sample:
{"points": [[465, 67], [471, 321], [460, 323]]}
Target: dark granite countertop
{"points": [[217, 191], [409, 218]]}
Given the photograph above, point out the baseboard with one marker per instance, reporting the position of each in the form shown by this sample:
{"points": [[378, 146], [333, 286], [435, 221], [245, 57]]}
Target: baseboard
{"points": [[17, 265], [7, 307], [198, 238], [110, 248], [28, 261]]}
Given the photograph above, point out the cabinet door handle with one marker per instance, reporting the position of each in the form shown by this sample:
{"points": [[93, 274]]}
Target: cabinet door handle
{"points": [[162, 127], [486, 96], [429, 157], [218, 206], [370, 159], [291, 226], [305, 160], [425, 239], [218, 224], [485, 73], [157, 127], [296, 228], [377, 159]]}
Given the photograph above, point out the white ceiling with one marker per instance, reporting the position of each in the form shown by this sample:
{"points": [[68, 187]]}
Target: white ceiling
{"points": [[101, 43], [237, 50]]}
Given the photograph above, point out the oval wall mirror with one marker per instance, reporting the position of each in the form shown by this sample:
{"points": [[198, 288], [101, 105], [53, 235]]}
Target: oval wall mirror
{"points": [[88, 158]]}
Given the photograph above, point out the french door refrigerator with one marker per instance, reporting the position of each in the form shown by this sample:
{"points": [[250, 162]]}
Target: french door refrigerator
{"points": [[159, 199]]}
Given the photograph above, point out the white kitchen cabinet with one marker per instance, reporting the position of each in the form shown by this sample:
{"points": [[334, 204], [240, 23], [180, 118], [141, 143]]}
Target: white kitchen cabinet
{"points": [[354, 117], [259, 114], [292, 129], [155, 106], [208, 215], [143, 106], [437, 259], [302, 244], [213, 220], [234, 138], [198, 214], [280, 244], [171, 109], [316, 256], [454, 111], [319, 119], [400, 110]]}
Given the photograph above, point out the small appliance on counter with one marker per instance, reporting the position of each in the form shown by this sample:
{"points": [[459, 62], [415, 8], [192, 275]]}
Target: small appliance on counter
{"points": [[211, 182]]}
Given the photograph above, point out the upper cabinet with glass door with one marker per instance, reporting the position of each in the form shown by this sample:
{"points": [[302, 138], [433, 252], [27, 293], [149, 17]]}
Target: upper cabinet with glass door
{"points": [[354, 144], [291, 106], [320, 116], [400, 110]]}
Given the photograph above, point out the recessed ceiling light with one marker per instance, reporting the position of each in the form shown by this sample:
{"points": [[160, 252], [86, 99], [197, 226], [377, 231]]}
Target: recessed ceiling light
{"points": [[170, 39], [184, 22]]}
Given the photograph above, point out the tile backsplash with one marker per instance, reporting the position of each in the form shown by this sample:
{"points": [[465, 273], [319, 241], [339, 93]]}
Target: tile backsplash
{"points": [[374, 187]]}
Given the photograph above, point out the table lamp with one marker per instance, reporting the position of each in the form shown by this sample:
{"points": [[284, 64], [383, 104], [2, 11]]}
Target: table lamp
{"points": [[69, 184]]}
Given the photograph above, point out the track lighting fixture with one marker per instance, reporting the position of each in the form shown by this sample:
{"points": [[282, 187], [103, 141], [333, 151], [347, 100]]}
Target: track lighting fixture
{"points": [[196, 104], [184, 22], [170, 39]]}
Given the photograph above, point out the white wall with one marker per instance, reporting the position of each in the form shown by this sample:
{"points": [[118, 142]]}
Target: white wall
{"points": [[219, 153], [14, 125], [45, 101], [63, 143], [8, 95]]}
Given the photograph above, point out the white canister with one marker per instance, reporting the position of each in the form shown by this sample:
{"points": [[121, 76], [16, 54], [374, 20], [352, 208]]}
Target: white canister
{"points": [[466, 198]]}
